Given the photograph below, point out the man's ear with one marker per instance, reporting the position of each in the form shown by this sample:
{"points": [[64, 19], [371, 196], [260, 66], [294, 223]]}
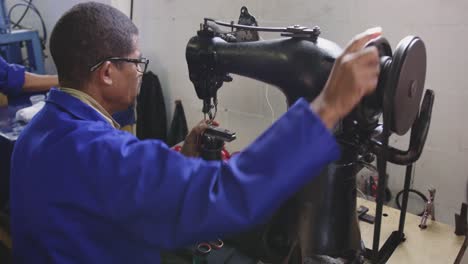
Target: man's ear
{"points": [[105, 72]]}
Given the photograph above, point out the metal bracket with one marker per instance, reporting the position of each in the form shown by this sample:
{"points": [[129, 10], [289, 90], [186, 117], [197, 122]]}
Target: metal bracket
{"points": [[295, 31]]}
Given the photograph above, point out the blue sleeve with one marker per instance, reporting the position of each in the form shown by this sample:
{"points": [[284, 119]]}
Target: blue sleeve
{"points": [[169, 201], [11, 78]]}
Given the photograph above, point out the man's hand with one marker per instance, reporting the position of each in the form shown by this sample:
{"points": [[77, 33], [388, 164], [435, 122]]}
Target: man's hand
{"points": [[191, 146], [354, 74]]}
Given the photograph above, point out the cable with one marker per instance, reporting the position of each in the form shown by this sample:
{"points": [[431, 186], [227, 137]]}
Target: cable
{"points": [[44, 29], [15, 24], [269, 104], [30, 6], [131, 10], [418, 193]]}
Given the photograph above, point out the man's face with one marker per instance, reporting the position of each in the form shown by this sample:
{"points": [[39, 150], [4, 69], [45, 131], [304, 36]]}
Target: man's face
{"points": [[127, 81]]}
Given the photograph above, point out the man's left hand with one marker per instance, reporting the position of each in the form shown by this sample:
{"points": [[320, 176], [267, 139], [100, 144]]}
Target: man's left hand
{"points": [[191, 146]]}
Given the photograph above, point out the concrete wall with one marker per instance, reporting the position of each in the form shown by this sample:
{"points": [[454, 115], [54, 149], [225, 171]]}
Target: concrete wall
{"points": [[167, 25]]}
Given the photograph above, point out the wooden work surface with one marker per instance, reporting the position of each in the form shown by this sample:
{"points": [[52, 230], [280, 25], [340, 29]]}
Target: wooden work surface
{"points": [[435, 244]]}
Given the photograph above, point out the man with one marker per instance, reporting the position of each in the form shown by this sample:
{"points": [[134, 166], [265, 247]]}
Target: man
{"points": [[14, 80], [90, 193]]}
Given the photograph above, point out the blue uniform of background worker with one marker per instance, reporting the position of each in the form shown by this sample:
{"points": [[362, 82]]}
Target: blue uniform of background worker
{"points": [[14, 80], [90, 193]]}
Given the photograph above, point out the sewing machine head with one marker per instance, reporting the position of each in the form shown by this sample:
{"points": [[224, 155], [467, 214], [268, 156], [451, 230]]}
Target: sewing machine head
{"points": [[299, 65]]}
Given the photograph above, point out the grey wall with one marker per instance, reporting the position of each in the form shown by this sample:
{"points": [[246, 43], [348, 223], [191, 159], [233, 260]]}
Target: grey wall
{"points": [[167, 25]]}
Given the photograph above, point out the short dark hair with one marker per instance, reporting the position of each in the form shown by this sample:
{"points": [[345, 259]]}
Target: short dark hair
{"points": [[84, 35]]}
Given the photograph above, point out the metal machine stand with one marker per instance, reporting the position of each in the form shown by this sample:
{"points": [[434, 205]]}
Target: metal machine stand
{"points": [[418, 135]]}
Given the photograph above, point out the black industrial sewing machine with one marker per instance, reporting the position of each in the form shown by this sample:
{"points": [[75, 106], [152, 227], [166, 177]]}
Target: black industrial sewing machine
{"points": [[319, 224]]}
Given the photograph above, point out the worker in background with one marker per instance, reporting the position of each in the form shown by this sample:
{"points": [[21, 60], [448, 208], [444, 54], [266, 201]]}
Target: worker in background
{"points": [[14, 80], [84, 192]]}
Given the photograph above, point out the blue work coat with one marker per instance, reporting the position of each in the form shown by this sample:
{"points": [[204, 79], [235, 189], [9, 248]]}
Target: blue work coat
{"points": [[84, 192], [11, 78]]}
